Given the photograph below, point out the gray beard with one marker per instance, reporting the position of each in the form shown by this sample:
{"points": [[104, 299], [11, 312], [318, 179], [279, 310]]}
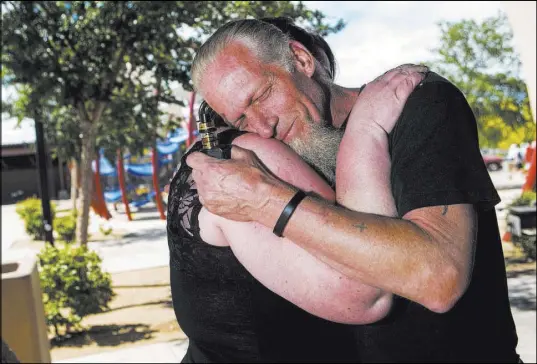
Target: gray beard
{"points": [[319, 149]]}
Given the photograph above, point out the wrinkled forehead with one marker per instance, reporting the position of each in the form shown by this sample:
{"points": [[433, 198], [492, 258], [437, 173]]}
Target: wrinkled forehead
{"points": [[231, 77]]}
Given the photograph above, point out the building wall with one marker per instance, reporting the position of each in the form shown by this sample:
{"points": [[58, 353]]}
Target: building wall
{"points": [[18, 184]]}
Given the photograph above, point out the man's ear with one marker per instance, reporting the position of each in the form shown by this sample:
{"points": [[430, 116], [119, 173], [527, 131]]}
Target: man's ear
{"points": [[304, 60]]}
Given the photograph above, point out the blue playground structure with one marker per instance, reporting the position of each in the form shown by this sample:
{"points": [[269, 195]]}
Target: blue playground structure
{"points": [[138, 172]]}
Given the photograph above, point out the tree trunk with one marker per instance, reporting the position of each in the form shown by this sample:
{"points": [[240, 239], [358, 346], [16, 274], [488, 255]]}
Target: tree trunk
{"points": [[155, 160], [61, 173], [86, 179], [74, 184], [52, 188], [158, 198]]}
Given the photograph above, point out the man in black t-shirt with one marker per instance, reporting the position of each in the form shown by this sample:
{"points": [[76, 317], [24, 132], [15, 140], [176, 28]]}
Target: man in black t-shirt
{"points": [[440, 258], [436, 162]]}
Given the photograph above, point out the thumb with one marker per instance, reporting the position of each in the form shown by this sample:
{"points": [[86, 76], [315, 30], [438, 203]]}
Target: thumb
{"points": [[239, 153], [196, 160], [407, 85]]}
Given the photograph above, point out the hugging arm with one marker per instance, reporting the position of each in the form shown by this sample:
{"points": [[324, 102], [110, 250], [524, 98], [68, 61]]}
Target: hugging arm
{"points": [[286, 268], [426, 254]]}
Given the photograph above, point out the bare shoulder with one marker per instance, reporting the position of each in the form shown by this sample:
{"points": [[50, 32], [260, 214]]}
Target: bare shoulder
{"points": [[281, 160], [263, 146]]}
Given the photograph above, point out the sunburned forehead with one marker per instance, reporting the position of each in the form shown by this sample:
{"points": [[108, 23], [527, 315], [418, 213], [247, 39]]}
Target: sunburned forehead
{"points": [[234, 57], [231, 79]]}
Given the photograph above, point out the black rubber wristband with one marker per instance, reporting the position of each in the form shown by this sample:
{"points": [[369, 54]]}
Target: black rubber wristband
{"points": [[287, 212]]}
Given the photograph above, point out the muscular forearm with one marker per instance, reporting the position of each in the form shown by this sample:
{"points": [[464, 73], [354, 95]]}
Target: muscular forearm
{"points": [[393, 254], [364, 186]]}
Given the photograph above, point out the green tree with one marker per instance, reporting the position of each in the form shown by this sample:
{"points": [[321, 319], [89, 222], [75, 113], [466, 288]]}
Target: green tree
{"points": [[480, 60], [91, 68]]}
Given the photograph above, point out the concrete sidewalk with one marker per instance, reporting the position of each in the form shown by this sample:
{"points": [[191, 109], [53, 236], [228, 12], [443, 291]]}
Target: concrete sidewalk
{"points": [[504, 180], [172, 352], [143, 242], [522, 293]]}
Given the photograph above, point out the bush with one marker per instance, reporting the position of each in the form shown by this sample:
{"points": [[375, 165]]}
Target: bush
{"points": [[65, 226], [73, 284], [31, 213], [527, 198], [526, 243], [105, 229]]}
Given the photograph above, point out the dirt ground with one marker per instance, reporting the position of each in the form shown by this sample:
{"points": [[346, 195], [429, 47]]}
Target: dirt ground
{"points": [[140, 314]]}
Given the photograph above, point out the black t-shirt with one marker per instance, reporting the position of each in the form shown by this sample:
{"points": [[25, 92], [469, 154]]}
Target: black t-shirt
{"points": [[436, 161], [226, 313]]}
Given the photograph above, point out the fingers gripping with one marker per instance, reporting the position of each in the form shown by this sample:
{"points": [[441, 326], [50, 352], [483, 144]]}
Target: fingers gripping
{"points": [[240, 153], [382, 100], [409, 68], [403, 84], [405, 70]]}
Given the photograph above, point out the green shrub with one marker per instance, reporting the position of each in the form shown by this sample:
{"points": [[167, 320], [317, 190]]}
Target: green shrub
{"points": [[105, 229], [526, 243], [65, 226], [527, 198], [73, 284], [31, 213]]}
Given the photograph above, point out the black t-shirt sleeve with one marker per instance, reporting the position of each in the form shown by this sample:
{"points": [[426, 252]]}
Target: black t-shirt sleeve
{"points": [[435, 151]]}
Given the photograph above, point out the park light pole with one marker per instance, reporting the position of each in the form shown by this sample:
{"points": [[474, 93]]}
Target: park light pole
{"points": [[43, 177]]}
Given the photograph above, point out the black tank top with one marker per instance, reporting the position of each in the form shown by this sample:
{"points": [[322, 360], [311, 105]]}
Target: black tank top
{"points": [[226, 313]]}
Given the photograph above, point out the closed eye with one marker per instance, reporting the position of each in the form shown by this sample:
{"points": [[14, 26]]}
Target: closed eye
{"points": [[265, 94], [240, 123]]}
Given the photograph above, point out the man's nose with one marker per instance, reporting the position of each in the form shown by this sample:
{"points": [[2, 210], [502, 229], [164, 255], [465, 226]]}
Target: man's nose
{"points": [[263, 126]]}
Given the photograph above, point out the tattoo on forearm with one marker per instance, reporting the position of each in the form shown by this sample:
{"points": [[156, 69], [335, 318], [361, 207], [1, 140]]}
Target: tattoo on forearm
{"points": [[444, 211], [361, 226]]}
